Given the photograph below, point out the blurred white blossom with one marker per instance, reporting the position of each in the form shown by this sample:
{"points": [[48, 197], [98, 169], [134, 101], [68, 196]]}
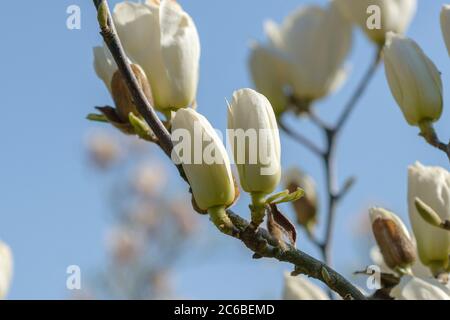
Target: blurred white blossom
{"points": [[445, 25], [6, 269], [149, 179], [393, 15], [311, 45], [269, 72], [103, 149], [414, 288], [300, 288], [124, 244]]}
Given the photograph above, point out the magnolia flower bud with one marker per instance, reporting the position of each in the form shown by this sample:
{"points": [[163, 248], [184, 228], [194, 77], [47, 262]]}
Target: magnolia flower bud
{"points": [[255, 141], [300, 288], [6, 269], [306, 207], [163, 39], [377, 17], [445, 25], [106, 70], [269, 71], [204, 159], [392, 238], [414, 288], [122, 96], [414, 80], [314, 43], [432, 186]]}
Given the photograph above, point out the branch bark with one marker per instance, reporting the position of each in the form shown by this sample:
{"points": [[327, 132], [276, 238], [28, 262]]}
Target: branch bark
{"points": [[259, 241]]}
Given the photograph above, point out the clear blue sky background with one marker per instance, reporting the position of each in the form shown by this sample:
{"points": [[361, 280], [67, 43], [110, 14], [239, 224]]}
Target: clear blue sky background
{"points": [[52, 211]]}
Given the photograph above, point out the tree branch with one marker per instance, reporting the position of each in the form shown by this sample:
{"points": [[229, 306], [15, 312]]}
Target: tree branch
{"points": [[259, 241], [300, 138], [264, 245], [329, 161], [331, 134], [351, 104], [431, 137]]}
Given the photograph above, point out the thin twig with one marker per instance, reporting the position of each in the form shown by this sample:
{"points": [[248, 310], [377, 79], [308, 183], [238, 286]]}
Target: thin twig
{"points": [[434, 141], [329, 160], [259, 241], [350, 106], [331, 134], [300, 138]]}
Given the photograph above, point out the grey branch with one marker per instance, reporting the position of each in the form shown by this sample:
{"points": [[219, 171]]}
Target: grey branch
{"points": [[327, 156], [438, 144], [259, 241]]}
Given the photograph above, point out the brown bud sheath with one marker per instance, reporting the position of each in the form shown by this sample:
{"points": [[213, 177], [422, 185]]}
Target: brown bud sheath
{"points": [[121, 94], [395, 246]]}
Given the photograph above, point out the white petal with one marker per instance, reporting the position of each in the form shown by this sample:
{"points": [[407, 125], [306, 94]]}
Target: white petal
{"points": [[269, 70], [445, 25], [104, 65], [6, 269], [318, 41], [180, 48], [414, 288]]}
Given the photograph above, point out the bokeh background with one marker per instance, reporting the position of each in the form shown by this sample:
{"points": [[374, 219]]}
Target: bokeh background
{"points": [[55, 208]]}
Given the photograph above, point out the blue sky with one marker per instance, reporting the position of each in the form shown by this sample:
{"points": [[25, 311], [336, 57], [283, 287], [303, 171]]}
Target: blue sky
{"points": [[52, 209]]}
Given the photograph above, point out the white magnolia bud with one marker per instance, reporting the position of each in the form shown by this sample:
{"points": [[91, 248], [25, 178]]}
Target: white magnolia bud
{"points": [[316, 41], [414, 288], [6, 269], [432, 186], [300, 288], [204, 159], [377, 17], [269, 73], [445, 25], [414, 80], [163, 39], [255, 141], [392, 238]]}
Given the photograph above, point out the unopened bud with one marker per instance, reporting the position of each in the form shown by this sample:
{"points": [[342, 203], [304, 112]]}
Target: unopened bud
{"points": [[392, 238], [122, 96], [306, 207]]}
